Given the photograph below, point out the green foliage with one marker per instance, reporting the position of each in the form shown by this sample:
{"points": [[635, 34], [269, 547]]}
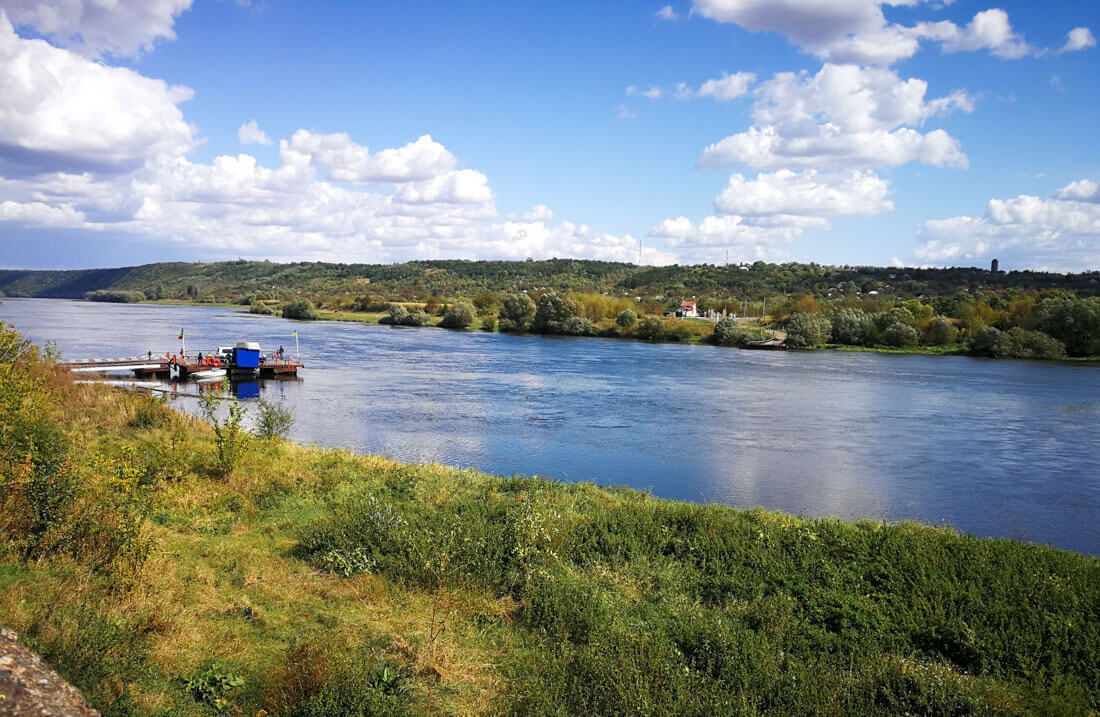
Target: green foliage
{"points": [[553, 314], [650, 329], [488, 323], [360, 683], [516, 313], [459, 315], [230, 438], [854, 327], [1015, 343], [98, 652], [640, 606], [626, 319], [302, 309], [940, 332], [115, 296], [400, 316], [273, 420], [1073, 322], [727, 332], [259, 307], [212, 686], [900, 334], [807, 330]]}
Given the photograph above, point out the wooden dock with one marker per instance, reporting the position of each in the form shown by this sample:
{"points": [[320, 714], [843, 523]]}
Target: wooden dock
{"points": [[182, 366]]}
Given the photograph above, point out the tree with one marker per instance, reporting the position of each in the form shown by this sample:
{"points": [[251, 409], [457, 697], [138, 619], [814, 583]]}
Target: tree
{"points": [[552, 314], [900, 334], [458, 316], [398, 315], [516, 313], [940, 332], [727, 332], [806, 330], [650, 329], [300, 309], [854, 327], [626, 319], [1074, 322]]}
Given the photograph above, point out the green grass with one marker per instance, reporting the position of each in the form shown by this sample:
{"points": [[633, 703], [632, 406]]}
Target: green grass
{"points": [[312, 581]]}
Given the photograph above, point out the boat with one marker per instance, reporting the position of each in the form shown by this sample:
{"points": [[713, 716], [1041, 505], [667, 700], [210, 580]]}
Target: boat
{"points": [[768, 344], [207, 374]]}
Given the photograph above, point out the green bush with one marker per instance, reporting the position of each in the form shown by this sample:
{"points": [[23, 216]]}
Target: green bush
{"points": [[940, 332], [458, 316], [516, 313], [400, 316], [807, 330], [488, 323], [727, 332], [302, 309], [853, 327], [117, 296], [273, 420], [230, 437], [213, 686], [259, 307], [626, 319], [899, 334], [650, 329]]}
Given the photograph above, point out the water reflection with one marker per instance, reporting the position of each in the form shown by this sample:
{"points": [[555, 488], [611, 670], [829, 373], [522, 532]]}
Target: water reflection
{"points": [[992, 447]]}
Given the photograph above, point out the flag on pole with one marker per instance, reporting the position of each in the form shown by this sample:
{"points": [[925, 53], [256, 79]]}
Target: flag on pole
{"points": [[181, 335], [295, 332]]}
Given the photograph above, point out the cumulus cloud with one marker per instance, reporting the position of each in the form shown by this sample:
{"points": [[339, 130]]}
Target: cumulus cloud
{"points": [[724, 88], [104, 150], [808, 193], [843, 117], [856, 31], [1078, 39], [250, 133], [93, 27], [1058, 234], [62, 110]]}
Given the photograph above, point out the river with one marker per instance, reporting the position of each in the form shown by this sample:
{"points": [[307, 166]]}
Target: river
{"points": [[994, 448]]}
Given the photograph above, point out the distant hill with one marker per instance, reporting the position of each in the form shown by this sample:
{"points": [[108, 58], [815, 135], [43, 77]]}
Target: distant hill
{"points": [[237, 281]]}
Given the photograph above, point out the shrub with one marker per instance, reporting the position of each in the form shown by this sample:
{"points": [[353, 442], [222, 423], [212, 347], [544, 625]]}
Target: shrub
{"points": [[259, 307], [578, 326], [212, 685], [302, 309], [899, 334], [854, 327], [516, 313], [940, 332], [650, 329], [626, 320], [459, 316], [230, 438], [118, 296], [553, 314], [273, 420], [1015, 343], [370, 302], [488, 323], [727, 332], [807, 330]]}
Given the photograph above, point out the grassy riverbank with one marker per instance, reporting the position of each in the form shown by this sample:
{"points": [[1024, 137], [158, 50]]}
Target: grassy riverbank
{"points": [[165, 572]]}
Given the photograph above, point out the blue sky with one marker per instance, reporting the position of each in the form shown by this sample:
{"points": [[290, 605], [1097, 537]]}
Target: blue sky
{"points": [[843, 132]]}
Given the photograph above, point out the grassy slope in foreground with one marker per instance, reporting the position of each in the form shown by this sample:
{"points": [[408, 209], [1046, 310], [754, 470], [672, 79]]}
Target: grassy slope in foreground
{"points": [[312, 582]]}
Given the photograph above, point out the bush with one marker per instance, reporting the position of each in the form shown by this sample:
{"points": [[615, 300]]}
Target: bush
{"points": [[488, 323], [118, 296], [807, 330], [578, 326], [553, 315], [259, 307], [853, 327], [1015, 343], [940, 332], [1073, 322], [302, 309], [459, 316], [900, 335], [400, 316], [650, 329], [212, 686], [626, 320], [230, 438], [727, 332], [273, 420], [516, 313], [370, 302]]}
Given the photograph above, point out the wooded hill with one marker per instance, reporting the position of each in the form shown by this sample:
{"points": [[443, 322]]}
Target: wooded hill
{"points": [[238, 281]]}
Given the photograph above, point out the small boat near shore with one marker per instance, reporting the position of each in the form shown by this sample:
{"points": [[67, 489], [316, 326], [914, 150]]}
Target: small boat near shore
{"points": [[208, 374], [768, 345]]}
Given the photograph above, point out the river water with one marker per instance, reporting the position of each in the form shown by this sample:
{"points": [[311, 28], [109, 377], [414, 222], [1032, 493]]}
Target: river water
{"points": [[994, 448]]}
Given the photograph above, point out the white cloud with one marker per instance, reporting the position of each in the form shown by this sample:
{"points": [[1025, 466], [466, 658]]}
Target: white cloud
{"points": [[1083, 190], [625, 112], [250, 133], [989, 30], [93, 27], [726, 87], [652, 93], [1078, 39], [1060, 234], [104, 151], [856, 31], [62, 110], [704, 241], [667, 13], [843, 117], [808, 193], [347, 161]]}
